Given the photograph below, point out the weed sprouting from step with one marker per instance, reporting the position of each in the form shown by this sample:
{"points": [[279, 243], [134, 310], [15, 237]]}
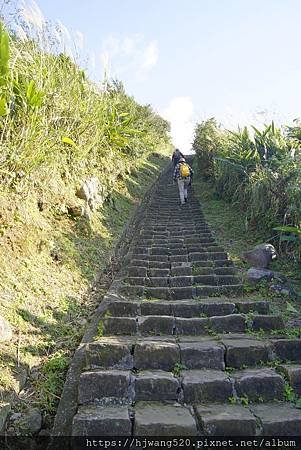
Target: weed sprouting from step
{"points": [[177, 370], [100, 330], [243, 400], [289, 333]]}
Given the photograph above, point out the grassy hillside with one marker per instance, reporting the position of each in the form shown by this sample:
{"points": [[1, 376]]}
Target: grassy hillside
{"points": [[58, 130]]}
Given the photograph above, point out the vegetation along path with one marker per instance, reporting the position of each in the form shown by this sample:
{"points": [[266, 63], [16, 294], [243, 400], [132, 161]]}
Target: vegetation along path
{"points": [[178, 349]]}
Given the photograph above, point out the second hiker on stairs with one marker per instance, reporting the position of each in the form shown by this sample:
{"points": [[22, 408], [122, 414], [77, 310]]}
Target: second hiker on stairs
{"points": [[183, 175]]}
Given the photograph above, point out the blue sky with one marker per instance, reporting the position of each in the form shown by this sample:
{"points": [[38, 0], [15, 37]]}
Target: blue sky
{"points": [[237, 60]]}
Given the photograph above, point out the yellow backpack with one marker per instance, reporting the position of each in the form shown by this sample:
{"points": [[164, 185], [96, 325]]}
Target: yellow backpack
{"points": [[184, 170]]}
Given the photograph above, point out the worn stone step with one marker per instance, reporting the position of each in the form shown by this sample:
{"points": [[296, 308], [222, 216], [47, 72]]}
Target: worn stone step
{"points": [[202, 354], [222, 263], [156, 386], [94, 420], [159, 419], [267, 323], [179, 251], [207, 256], [179, 293], [278, 419], [207, 280], [157, 292], [181, 271], [156, 250], [226, 420], [110, 352], [292, 373], [156, 325], [245, 351], [99, 386], [118, 326], [191, 326], [259, 384], [258, 306], [232, 323], [137, 271], [158, 308], [158, 273], [204, 291], [159, 265], [156, 354], [206, 386], [225, 270], [180, 281], [122, 308], [287, 349], [157, 281]]}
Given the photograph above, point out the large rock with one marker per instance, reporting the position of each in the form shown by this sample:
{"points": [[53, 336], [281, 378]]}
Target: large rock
{"points": [[4, 411], [261, 255], [5, 330], [31, 421], [89, 192], [255, 275]]}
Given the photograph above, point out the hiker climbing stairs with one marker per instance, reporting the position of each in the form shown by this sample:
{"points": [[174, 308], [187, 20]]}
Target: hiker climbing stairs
{"points": [[179, 350]]}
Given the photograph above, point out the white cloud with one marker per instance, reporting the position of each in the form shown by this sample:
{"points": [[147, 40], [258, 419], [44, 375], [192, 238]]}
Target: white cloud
{"points": [[150, 57], [129, 55], [180, 113]]}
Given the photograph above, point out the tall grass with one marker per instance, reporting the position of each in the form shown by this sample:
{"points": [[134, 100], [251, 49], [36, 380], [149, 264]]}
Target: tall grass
{"points": [[259, 172], [54, 122]]}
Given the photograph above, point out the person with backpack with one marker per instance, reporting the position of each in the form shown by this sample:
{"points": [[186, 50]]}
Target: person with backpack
{"points": [[176, 156], [183, 174]]}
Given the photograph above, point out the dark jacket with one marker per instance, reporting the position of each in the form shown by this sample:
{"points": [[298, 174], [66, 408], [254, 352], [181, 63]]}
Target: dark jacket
{"points": [[176, 156]]}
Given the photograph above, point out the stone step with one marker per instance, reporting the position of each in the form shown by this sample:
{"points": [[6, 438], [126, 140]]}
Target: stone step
{"points": [[149, 264], [184, 308], [203, 354], [226, 420], [259, 385], [104, 386], [194, 352], [159, 419], [278, 419], [156, 386], [92, 420], [292, 373], [206, 386]]}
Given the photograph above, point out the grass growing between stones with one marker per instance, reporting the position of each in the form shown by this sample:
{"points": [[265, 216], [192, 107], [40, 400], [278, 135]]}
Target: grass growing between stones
{"points": [[228, 226], [51, 265]]}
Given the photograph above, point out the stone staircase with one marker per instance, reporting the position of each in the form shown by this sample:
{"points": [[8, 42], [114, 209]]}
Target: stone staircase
{"points": [[178, 350]]}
